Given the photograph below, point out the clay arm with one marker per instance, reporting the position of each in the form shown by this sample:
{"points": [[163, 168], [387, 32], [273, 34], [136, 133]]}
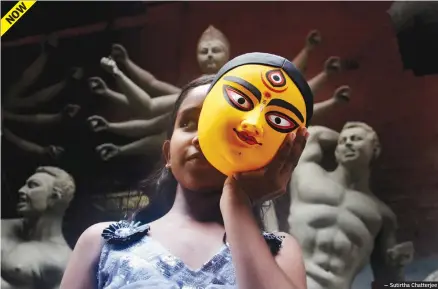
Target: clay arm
{"points": [[140, 76], [149, 145], [99, 87], [322, 107], [389, 258], [138, 99], [35, 119], [23, 144], [39, 97], [148, 82], [132, 128], [69, 110], [320, 139], [313, 39], [331, 66], [117, 97], [140, 128], [163, 104], [340, 96], [31, 73], [145, 146], [51, 151]]}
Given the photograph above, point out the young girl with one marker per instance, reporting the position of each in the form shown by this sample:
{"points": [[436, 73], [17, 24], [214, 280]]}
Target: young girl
{"points": [[210, 237]]}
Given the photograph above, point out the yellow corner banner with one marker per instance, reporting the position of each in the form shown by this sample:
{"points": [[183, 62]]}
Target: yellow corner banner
{"points": [[15, 14]]}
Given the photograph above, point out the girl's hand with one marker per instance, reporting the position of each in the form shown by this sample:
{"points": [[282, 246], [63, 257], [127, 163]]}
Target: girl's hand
{"points": [[271, 181]]}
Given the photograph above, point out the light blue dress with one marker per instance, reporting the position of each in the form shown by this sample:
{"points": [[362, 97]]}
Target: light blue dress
{"points": [[142, 262]]}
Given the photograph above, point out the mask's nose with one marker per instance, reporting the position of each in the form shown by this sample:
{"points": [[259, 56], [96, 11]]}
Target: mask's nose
{"points": [[252, 124]]}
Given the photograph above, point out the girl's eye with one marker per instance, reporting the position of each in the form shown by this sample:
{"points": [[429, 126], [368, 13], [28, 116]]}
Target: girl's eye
{"points": [[189, 124]]}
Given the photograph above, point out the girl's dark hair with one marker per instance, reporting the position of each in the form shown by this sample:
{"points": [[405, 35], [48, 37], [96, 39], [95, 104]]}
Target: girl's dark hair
{"points": [[162, 183]]}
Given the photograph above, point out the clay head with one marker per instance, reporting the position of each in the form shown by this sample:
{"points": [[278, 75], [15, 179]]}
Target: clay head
{"points": [[358, 145], [255, 100], [49, 189], [213, 50]]}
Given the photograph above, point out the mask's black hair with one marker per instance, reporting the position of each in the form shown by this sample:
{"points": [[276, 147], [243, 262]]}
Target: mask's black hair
{"points": [[162, 183]]}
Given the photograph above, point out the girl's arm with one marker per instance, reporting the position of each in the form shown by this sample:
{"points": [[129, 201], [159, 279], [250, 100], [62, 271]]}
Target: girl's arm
{"points": [[256, 268]]}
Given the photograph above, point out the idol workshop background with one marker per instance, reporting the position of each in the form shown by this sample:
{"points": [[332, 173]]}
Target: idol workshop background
{"points": [[162, 38]]}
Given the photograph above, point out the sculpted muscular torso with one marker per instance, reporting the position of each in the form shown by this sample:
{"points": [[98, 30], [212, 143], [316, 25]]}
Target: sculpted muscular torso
{"points": [[339, 223]]}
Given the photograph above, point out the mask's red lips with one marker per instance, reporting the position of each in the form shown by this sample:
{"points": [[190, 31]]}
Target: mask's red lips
{"points": [[245, 137]]}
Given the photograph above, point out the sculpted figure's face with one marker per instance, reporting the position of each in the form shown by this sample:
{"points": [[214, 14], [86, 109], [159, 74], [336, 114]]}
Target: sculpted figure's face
{"points": [[355, 147], [246, 117], [212, 55], [35, 196]]}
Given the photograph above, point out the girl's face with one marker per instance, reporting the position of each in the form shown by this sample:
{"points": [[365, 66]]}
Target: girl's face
{"points": [[183, 153]]}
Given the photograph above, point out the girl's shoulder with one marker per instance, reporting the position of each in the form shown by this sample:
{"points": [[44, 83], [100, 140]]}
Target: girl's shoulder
{"points": [[93, 233]]}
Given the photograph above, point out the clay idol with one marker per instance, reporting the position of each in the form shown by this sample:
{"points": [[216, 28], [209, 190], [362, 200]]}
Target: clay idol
{"points": [[255, 100]]}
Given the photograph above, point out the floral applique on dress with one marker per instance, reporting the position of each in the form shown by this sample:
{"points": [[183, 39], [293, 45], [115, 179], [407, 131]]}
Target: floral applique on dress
{"points": [[124, 232], [274, 242]]}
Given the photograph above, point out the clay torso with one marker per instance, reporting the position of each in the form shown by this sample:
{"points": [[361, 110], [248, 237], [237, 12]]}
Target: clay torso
{"points": [[30, 264], [335, 226]]}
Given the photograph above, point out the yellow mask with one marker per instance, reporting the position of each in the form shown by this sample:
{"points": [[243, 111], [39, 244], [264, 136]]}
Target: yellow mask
{"points": [[255, 100]]}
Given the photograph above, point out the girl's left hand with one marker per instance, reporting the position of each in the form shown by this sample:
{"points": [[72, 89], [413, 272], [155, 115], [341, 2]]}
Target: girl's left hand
{"points": [[271, 181]]}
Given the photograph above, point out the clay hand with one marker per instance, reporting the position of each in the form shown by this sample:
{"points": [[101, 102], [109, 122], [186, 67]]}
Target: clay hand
{"points": [[109, 65], [71, 110], [401, 254], [97, 123], [49, 42], [54, 151], [97, 85], [108, 151], [77, 73], [313, 39], [342, 93], [332, 65], [271, 181], [119, 53]]}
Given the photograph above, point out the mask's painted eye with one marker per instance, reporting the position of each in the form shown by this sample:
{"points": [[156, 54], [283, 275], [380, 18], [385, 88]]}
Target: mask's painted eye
{"points": [[276, 78], [238, 99], [280, 122]]}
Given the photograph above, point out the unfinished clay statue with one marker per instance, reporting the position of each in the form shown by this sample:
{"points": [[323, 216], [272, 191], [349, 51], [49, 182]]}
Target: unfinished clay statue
{"points": [[281, 205], [335, 216], [213, 50], [432, 277], [137, 99], [139, 85], [34, 252], [16, 100], [313, 39]]}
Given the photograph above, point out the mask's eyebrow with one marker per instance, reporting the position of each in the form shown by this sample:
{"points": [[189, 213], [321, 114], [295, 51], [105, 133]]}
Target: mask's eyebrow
{"points": [[288, 106], [254, 90]]}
